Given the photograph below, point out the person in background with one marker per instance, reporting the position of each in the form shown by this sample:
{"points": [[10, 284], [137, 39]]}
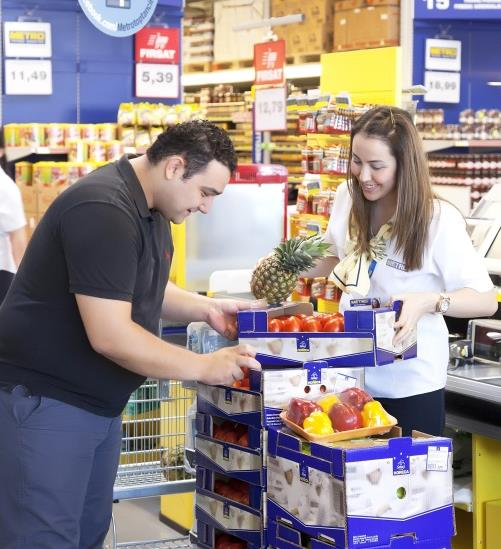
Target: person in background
{"points": [[79, 333], [393, 239], [12, 219]]}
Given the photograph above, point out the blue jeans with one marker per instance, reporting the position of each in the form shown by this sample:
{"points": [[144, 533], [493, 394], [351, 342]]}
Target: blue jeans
{"points": [[57, 470]]}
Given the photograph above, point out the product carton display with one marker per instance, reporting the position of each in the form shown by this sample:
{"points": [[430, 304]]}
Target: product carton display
{"points": [[230, 517], [362, 493], [271, 390], [246, 463], [367, 340], [210, 537]]}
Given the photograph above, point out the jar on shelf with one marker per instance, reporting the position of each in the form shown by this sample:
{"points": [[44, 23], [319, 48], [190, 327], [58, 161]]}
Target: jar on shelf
{"points": [[303, 286], [317, 155]]}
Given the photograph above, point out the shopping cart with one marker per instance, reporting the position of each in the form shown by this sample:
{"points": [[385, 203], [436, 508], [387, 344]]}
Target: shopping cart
{"points": [[152, 456]]}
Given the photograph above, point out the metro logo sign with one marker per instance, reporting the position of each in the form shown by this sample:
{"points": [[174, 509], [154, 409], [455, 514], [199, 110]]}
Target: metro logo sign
{"points": [[157, 45], [269, 61]]}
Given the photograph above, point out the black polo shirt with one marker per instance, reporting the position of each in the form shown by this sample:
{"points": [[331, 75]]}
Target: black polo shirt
{"points": [[100, 239]]}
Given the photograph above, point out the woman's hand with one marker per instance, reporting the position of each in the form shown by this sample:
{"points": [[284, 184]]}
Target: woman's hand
{"points": [[414, 306]]}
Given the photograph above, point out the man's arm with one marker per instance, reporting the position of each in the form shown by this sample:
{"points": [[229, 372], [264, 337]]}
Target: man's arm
{"points": [[18, 243], [221, 314], [182, 306], [112, 333]]}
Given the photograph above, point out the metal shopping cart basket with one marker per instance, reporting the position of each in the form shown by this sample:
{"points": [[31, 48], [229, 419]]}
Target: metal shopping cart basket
{"points": [[152, 456]]}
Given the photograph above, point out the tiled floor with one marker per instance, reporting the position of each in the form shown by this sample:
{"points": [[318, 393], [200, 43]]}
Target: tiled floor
{"points": [[138, 520]]}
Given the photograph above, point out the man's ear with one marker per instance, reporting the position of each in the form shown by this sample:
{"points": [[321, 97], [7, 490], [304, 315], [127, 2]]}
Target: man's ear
{"points": [[174, 167]]}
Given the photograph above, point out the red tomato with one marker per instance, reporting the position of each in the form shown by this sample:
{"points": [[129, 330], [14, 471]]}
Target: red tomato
{"points": [[274, 325], [311, 324], [291, 324], [334, 324], [244, 440]]}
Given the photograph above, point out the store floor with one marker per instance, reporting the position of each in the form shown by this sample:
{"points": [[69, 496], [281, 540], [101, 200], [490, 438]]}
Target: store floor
{"points": [[138, 520]]}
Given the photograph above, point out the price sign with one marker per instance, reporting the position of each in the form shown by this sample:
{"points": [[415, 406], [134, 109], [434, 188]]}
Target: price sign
{"points": [[270, 113], [443, 87], [157, 80], [28, 77]]}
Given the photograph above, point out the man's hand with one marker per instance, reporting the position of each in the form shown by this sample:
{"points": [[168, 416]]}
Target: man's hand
{"points": [[222, 314], [223, 367]]}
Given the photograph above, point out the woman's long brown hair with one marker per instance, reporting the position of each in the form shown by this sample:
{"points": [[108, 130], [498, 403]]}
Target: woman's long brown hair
{"points": [[415, 196]]}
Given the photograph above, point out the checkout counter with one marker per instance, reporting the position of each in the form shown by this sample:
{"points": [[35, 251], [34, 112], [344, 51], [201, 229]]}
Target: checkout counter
{"points": [[473, 399]]}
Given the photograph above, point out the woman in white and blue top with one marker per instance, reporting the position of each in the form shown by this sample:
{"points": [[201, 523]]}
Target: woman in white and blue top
{"points": [[393, 239]]}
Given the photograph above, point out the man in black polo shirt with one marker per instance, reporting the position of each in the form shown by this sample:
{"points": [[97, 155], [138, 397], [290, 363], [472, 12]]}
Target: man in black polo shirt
{"points": [[79, 333]]}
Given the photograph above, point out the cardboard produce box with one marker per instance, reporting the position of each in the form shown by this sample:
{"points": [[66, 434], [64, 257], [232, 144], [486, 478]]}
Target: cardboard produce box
{"points": [[366, 26], [367, 340], [362, 493], [271, 390]]}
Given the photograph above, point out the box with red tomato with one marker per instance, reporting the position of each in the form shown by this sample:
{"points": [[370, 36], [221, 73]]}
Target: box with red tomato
{"points": [[283, 536], [272, 388], [231, 506], [234, 449], [362, 493], [291, 334], [209, 537]]}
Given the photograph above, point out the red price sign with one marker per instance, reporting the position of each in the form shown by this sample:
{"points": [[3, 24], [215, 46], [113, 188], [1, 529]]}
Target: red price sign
{"points": [[157, 45], [269, 62]]}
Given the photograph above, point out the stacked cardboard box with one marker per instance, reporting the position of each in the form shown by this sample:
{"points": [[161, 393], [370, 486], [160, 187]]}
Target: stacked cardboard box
{"points": [[361, 24], [372, 493], [198, 41], [314, 34]]}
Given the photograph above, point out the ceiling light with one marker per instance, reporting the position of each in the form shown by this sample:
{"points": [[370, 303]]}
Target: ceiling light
{"points": [[494, 83]]}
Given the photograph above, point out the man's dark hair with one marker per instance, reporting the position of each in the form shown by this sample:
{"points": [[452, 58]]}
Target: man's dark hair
{"points": [[198, 142]]}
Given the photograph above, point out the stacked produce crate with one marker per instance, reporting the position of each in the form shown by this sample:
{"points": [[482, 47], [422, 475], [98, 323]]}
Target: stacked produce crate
{"points": [[389, 492], [230, 457], [234, 423]]}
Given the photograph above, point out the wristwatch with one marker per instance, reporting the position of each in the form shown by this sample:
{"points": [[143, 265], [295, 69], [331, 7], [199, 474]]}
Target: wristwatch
{"points": [[443, 303]]}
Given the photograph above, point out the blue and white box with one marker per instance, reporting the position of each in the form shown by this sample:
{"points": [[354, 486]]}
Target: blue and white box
{"points": [[362, 493], [367, 340]]}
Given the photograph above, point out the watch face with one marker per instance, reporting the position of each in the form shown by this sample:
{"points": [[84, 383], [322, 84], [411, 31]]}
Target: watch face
{"points": [[444, 304]]}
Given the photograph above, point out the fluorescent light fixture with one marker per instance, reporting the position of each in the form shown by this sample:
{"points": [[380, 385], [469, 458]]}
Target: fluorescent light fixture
{"points": [[494, 83], [271, 22]]}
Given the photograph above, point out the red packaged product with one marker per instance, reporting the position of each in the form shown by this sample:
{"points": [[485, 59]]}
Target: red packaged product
{"points": [[300, 408]]}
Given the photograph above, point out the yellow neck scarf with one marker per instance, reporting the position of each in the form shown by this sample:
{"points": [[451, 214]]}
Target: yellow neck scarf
{"points": [[351, 274]]}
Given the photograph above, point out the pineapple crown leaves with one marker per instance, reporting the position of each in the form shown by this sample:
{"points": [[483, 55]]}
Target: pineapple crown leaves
{"points": [[301, 253]]}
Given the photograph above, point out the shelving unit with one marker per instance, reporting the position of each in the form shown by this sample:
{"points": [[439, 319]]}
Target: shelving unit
{"points": [[306, 71]]}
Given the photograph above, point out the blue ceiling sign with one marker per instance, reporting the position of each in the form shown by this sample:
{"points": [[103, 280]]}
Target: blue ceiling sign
{"points": [[118, 17], [457, 9]]}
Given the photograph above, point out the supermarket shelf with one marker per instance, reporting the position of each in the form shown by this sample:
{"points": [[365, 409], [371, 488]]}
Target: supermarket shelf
{"points": [[292, 72], [15, 153], [432, 145]]}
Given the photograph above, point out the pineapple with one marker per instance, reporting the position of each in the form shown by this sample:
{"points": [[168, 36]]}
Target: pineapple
{"points": [[275, 277]]}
